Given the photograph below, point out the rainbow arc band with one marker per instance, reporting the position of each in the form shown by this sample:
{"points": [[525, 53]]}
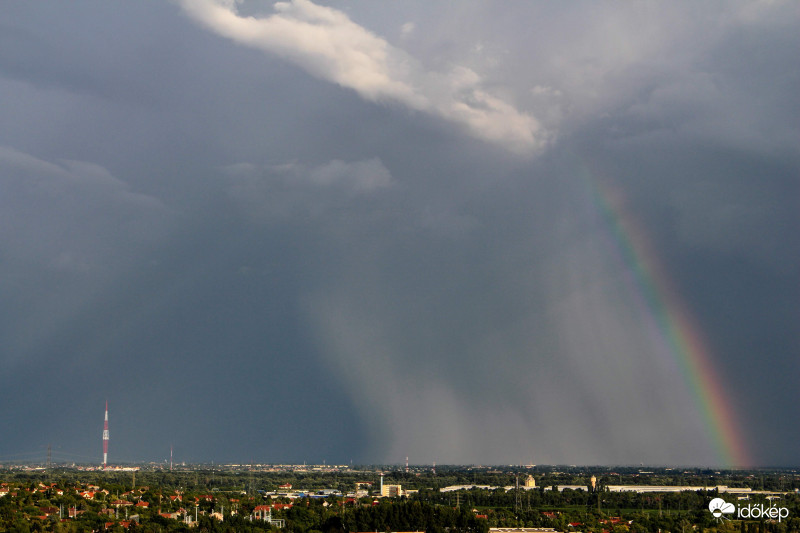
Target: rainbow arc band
{"points": [[674, 320]]}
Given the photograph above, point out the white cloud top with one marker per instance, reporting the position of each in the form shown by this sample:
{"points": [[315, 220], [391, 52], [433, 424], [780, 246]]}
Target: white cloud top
{"points": [[330, 46]]}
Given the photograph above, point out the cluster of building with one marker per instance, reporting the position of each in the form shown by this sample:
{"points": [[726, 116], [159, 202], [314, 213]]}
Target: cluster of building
{"points": [[528, 484], [742, 493], [125, 508], [362, 489]]}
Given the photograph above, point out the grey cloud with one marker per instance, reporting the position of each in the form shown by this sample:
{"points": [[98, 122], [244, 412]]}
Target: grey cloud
{"points": [[291, 190], [732, 217], [70, 210], [69, 231]]}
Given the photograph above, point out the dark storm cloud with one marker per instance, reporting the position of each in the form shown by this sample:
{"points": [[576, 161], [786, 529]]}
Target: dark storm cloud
{"points": [[67, 228], [258, 247]]}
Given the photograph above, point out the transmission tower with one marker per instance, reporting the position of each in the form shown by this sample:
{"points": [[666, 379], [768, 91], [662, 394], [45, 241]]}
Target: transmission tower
{"points": [[105, 438]]}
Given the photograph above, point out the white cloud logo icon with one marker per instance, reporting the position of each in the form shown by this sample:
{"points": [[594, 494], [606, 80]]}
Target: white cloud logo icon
{"points": [[718, 507]]}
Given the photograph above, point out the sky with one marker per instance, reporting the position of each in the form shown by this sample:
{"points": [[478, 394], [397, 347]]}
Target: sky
{"points": [[458, 232]]}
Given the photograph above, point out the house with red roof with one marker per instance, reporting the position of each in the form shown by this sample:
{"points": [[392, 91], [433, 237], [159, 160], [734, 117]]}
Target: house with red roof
{"points": [[125, 524], [262, 512]]}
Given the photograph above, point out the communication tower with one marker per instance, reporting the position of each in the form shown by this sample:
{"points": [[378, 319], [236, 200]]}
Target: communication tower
{"points": [[105, 438]]}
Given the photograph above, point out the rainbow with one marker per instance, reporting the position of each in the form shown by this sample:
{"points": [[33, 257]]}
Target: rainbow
{"points": [[673, 320]]}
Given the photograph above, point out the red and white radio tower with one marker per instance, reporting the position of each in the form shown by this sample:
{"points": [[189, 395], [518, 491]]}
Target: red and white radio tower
{"points": [[105, 438]]}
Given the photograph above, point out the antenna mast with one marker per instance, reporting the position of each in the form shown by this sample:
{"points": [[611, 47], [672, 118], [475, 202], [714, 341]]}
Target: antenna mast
{"points": [[105, 438]]}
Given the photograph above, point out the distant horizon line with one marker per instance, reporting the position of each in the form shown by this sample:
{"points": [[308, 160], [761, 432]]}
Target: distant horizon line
{"points": [[642, 468]]}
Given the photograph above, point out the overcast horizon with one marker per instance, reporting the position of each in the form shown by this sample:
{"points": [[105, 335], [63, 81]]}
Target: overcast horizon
{"points": [[463, 233]]}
